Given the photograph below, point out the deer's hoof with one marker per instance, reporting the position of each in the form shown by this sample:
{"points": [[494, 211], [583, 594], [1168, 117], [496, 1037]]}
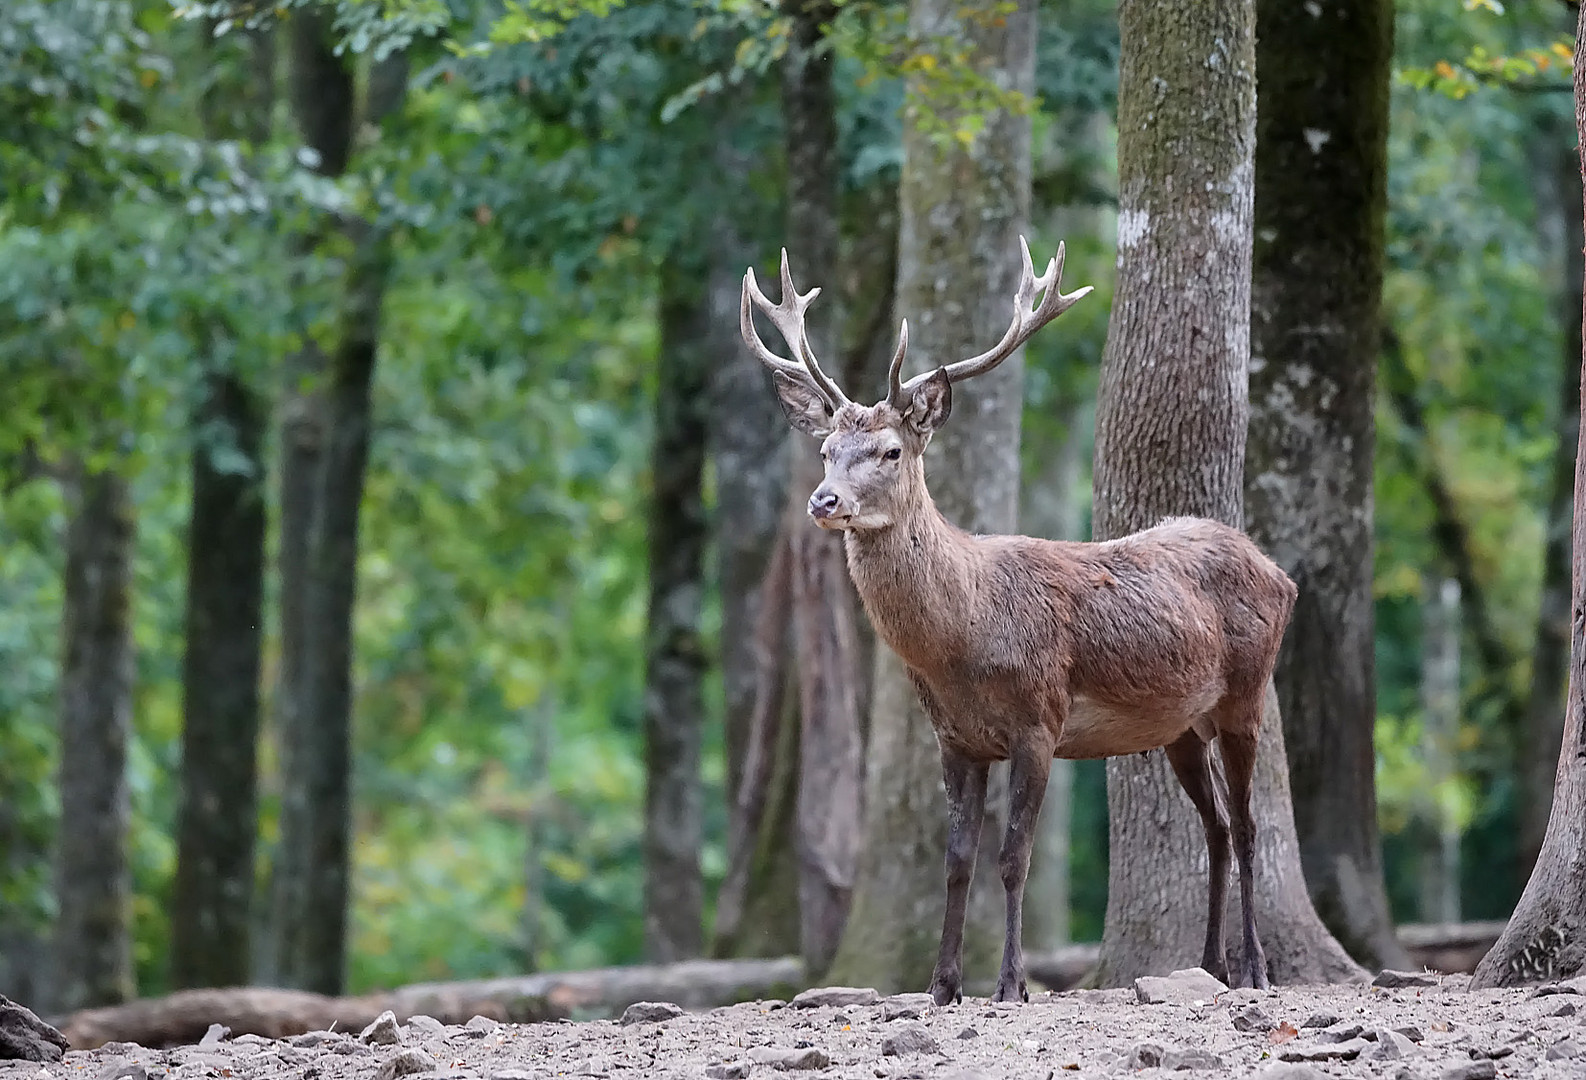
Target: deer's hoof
{"points": [[947, 989], [1011, 988]]}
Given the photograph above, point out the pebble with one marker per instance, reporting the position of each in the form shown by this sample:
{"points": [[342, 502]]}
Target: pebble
{"points": [[1146, 1055], [650, 1012], [212, 1038], [735, 1071], [1389, 979], [840, 996], [1472, 1070], [512, 1074], [1180, 988], [123, 1070], [1563, 1008], [911, 1039], [1290, 1071], [405, 1063], [906, 1006], [1344, 1051], [309, 1038], [969, 1033], [1252, 1018], [1191, 1058], [1339, 1033], [786, 1058], [425, 1027], [1391, 1046], [1321, 1020], [382, 1031], [1565, 1050]]}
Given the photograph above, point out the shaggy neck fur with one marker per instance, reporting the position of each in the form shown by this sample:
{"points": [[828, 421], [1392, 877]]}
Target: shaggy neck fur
{"points": [[918, 579]]}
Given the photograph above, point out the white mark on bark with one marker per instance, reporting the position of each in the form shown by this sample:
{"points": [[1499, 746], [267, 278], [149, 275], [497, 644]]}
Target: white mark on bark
{"points": [[1316, 138], [1132, 226], [1313, 9]]}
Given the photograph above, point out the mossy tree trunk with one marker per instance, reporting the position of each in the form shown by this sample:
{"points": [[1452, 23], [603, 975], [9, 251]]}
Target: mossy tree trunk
{"points": [[1171, 425], [962, 210], [1320, 197]]}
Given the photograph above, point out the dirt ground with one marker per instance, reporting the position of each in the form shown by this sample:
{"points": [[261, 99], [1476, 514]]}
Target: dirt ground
{"points": [[1441, 1031]]}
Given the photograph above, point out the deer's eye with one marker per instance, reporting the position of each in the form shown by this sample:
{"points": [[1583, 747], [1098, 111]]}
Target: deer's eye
{"points": [[893, 454]]}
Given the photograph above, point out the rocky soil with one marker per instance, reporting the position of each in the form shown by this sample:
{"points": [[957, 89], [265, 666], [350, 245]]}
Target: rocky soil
{"points": [[1416, 1026]]}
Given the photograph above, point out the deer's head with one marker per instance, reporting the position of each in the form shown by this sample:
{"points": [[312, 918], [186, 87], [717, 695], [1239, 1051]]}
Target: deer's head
{"points": [[873, 454]]}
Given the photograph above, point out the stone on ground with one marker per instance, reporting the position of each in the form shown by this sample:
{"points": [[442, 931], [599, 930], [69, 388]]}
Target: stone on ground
{"points": [[1180, 988], [910, 1039], [405, 1063], [1389, 979], [24, 1037], [425, 1027], [841, 996], [382, 1031], [782, 1057], [1252, 1018], [650, 1012]]}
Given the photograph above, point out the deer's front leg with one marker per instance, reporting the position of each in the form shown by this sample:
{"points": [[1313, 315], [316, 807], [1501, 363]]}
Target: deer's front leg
{"points": [[1030, 766], [966, 808]]}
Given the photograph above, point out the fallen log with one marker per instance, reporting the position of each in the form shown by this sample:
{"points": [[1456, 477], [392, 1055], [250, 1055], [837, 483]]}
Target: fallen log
{"points": [[1452, 948], [183, 1017]]}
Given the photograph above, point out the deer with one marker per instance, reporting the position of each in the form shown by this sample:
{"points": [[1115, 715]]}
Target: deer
{"points": [[1026, 650]]}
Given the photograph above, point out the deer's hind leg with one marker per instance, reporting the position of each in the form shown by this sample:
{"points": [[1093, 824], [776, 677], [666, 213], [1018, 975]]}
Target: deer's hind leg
{"points": [[1190, 757], [1239, 756]]}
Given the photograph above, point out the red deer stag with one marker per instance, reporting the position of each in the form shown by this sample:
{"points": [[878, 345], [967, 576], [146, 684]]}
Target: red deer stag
{"points": [[1024, 649]]}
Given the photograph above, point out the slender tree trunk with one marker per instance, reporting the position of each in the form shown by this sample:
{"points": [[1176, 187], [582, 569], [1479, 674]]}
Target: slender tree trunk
{"points": [[1546, 936], [1321, 192], [218, 815], [1439, 877], [217, 818], [1559, 203], [962, 210], [674, 898], [541, 725], [1170, 439], [93, 944], [312, 865]]}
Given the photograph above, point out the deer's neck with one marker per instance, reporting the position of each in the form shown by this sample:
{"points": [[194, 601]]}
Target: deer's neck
{"points": [[918, 579]]}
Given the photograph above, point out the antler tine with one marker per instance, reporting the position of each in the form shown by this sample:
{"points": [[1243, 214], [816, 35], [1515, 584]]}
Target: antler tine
{"points": [[788, 317], [1025, 322], [895, 369]]}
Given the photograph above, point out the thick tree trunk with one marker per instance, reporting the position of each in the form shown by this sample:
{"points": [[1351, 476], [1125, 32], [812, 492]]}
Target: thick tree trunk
{"points": [[826, 643], [674, 897], [1321, 190], [1559, 202], [311, 867], [1439, 874], [1170, 439], [217, 818], [218, 815], [93, 944], [962, 210], [1546, 935]]}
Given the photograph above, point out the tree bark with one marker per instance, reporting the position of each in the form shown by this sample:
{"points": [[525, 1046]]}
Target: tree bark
{"points": [[217, 818], [826, 644], [93, 886], [674, 898], [1439, 876], [1320, 198], [311, 871], [1171, 423], [1546, 935], [962, 210], [1559, 202]]}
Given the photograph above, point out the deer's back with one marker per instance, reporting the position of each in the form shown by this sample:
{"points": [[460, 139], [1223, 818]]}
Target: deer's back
{"points": [[1135, 640]]}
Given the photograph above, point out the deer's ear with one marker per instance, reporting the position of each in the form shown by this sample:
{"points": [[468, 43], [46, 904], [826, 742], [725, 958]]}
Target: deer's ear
{"points": [[931, 403], [803, 405]]}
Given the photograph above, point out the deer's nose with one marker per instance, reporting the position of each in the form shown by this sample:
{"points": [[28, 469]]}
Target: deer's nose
{"points": [[824, 503]]}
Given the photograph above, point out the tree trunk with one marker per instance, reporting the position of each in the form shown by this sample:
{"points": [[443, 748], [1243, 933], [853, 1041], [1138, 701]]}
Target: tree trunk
{"points": [[1321, 192], [93, 886], [218, 815], [1546, 935], [962, 210], [826, 644], [311, 872], [674, 896], [1439, 876], [1559, 202], [217, 818], [1170, 439]]}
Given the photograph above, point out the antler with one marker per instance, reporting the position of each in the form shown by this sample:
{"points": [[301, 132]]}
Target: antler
{"points": [[788, 317], [1025, 324]]}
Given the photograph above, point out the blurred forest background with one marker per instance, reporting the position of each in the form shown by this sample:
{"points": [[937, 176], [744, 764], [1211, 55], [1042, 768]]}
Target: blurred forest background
{"points": [[498, 251]]}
